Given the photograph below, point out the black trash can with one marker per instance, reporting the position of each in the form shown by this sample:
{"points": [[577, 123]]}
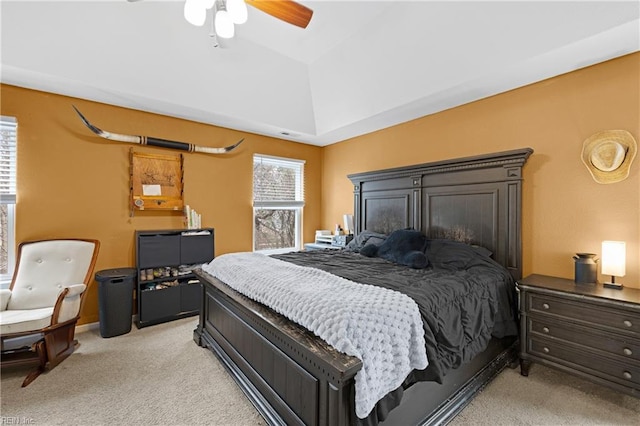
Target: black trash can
{"points": [[115, 294]]}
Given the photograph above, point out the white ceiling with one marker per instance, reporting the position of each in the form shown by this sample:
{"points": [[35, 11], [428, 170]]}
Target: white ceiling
{"points": [[358, 67]]}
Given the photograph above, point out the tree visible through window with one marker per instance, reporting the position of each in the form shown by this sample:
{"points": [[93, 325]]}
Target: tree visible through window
{"points": [[8, 148], [278, 198]]}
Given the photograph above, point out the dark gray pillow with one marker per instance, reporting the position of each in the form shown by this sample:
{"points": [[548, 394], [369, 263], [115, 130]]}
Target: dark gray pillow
{"points": [[482, 250], [363, 238], [455, 255]]}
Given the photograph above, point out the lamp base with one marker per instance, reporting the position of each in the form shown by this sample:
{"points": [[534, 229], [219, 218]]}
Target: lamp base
{"points": [[615, 286]]}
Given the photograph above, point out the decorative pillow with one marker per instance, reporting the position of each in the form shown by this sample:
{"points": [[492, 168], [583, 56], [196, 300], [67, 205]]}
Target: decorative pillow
{"points": [[370, 250], [404, 246], [363, 238], [482, 250], [454, 255]]}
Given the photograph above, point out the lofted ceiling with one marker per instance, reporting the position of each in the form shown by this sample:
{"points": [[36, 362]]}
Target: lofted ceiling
{"points": [[358, 67]]}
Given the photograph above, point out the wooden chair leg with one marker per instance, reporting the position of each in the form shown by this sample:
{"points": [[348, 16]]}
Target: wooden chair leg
{"points": [[54, 348], [41, 351], [60, 343]]}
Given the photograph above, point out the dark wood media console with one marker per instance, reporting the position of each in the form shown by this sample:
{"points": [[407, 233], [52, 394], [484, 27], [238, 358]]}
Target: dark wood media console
{"points": [[165, 293]]}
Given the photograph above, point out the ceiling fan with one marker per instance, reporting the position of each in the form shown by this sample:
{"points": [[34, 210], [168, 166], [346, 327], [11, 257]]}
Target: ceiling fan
{"points": [[230, 12], [285, 10]]}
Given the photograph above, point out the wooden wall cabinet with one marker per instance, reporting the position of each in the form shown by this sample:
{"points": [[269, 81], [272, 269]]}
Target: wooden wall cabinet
{"points": [[167, 289]]}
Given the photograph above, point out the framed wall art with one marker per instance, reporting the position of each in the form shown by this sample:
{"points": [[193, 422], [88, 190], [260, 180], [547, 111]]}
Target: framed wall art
{"points": [[156, 182]]}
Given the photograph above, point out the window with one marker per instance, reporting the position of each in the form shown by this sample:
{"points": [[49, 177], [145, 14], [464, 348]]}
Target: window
{"points": [[8, 148], [278, 198]]}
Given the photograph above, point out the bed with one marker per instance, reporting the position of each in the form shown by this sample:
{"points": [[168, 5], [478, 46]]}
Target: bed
{"points": [[293, 377]]}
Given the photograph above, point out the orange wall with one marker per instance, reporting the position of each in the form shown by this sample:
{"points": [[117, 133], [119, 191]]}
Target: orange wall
{"points": [[72, 183], [565, 210]]}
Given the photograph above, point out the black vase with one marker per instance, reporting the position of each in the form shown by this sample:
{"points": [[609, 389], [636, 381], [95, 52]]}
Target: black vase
{"points": [[586, 268]]}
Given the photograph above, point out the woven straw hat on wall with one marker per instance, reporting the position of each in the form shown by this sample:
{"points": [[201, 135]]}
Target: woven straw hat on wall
{"points": [[608, 155]]}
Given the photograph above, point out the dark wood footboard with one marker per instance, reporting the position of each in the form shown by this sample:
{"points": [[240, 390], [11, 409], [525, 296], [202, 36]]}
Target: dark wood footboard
{"points": [[293, 377]]}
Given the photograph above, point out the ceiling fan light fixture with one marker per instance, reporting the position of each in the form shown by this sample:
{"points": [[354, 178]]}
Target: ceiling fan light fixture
{"points": [[194, 13], [238, 11], [224, 25]]}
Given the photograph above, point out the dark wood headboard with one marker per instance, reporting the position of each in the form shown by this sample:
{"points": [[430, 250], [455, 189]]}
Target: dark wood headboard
{"points": [[473, 199]]}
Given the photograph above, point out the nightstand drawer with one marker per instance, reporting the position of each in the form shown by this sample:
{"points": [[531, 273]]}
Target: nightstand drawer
{"points": [[624, 348], [584, 312], [625, 374]]}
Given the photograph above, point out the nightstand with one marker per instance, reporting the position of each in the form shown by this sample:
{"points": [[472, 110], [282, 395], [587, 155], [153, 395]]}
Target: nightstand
{"points": [[583, 329]]}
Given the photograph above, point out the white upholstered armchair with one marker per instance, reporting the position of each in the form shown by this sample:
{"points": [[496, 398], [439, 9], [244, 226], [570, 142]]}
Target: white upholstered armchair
{"points": [[39, 312]]}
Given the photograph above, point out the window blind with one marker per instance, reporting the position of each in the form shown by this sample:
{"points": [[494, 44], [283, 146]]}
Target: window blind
{"points": [[277, 182], [8, 163]]}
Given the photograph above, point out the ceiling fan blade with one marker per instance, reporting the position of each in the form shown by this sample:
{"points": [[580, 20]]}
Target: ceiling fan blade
{"points": [[285, 10]]}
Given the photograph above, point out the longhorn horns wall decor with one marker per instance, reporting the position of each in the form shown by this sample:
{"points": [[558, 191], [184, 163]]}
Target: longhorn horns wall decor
{"points": [[161, 143]]}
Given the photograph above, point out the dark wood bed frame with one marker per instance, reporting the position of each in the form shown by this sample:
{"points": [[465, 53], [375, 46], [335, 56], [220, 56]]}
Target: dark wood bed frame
{"points": [[293, 377]]}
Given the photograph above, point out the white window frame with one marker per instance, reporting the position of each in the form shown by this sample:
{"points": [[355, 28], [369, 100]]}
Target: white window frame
{"points": [[297, 205], [8, 198]]}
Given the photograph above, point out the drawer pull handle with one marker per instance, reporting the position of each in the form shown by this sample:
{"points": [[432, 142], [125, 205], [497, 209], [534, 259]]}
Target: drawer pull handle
{"points": [[546, 306], [626, 375], [545, 329], [627, 351], [546, 351], [627, 323]]}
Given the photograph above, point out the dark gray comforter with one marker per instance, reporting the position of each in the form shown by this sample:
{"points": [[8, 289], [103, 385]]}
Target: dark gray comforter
{"points": [[464, 296]]}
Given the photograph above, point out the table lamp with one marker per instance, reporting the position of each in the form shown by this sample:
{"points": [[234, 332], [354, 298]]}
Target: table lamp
{"points": [[613, 262]]}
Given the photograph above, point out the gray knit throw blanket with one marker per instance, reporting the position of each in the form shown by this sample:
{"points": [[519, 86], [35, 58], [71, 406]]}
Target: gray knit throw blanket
{"points": [[381, 327]]}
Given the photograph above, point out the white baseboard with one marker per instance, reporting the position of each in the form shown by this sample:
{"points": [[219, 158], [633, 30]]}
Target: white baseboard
{"points": [[92, 326], [88, 327]]}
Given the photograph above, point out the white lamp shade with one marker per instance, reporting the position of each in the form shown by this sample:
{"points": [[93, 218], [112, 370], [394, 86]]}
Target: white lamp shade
{"points": [[613, 258], [238, 11], [208, 3], [195, 13], [224, 25]]}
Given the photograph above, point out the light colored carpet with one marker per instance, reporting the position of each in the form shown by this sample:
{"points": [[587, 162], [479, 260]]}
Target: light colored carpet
{"points": [[158, 376], [152, 376], [548, 397]]}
